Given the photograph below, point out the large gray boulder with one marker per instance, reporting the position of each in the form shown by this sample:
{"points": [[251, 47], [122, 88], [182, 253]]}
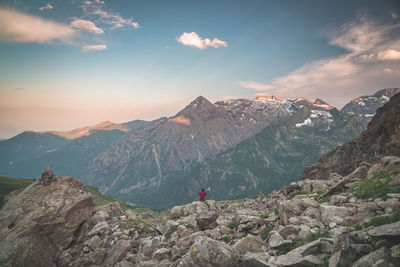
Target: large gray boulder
{"points": [[249, 244], [208, 252], [206, 219], [43, 217], [381, 255], [387, 230]]}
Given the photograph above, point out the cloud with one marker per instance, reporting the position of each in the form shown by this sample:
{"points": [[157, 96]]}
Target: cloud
{"points": [[94, 47], [46, 7], [19, 89], [358, 71], [393, 14], [256, 86], [23, 28], [387, 70], [193, 39], [114, 19], [390, 54], [86, 25]]}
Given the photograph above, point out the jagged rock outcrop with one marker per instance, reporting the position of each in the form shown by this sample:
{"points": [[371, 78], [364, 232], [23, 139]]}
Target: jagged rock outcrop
{"points": [[382, 138], [40, 222], [366, 106]]}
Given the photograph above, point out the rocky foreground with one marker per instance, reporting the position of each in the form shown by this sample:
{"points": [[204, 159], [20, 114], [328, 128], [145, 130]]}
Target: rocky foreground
{"points": [[342, 221]]}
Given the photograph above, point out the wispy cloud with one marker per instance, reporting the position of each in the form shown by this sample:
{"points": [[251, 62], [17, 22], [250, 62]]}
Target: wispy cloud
{"points": [[256, 86], [370, 47], [19, 89], [94, 47], [193, 39], [23, 28], [114, 19], [390, 54], [86, 25], [46, 7]]}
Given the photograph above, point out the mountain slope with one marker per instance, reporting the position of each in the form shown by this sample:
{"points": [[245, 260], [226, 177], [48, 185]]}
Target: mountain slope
{"points": [[381, 138], [143, 162], [274, 157], [366, 106]]}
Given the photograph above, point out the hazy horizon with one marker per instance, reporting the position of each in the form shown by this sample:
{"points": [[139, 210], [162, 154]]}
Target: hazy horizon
{"points": [[69, 64]]}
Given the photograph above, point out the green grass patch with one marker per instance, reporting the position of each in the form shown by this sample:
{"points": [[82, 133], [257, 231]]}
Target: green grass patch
{"points": [[381, 220], [318, 193], [100, 199], [377, 186], [233, 225], [170, 231], [265, 231], [226, 239], [243, 235], [8, 185], [140, 225]]}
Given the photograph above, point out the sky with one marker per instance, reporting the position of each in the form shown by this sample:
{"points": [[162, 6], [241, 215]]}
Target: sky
{"points": [[65, 64]]}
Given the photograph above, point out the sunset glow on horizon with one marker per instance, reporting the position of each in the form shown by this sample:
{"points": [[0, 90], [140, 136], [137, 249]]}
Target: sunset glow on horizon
{"points": [[69, 64]]}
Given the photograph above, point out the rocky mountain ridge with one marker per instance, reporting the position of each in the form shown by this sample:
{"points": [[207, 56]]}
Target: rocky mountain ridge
{"points": [[366, 106], [382, 137], [145, 162]]}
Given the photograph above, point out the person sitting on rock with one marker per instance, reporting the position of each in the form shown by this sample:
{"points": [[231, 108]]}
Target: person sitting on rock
{"points": [[202, 195]]}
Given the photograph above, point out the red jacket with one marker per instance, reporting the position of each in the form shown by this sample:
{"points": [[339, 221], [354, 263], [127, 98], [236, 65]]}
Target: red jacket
{"points": [[202, 195]]}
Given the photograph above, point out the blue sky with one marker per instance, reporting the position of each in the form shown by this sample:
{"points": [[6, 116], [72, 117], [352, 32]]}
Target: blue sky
{"points": [[66, 64]]}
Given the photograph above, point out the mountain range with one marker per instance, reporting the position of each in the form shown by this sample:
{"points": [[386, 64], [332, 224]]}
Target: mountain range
{"points": [[233, 148]]}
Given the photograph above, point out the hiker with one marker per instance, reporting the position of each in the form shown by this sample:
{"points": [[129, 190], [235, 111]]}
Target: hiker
{"points": [[202, 195]]}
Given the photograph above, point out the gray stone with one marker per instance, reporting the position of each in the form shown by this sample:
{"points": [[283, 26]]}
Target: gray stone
{"points": [[94, 242], [388, 230], [370, 259], [162, 254], [248, 244], [293, 261], [276, 240], [117, 252], [208, 252], [99, 228], [206, 219], [330, 213]]}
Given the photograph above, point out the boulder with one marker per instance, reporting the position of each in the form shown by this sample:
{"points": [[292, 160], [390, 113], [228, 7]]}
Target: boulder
{"points": [[208, 252], [42, 218], [176, 212], [382, 254], [117, 252], [162, 254], [99, 228], [276, 240], [185, 243], [342, 258], [294, 260], [330, 213], [386, 230], [289, 231], [249, 244], [206, 219], [113, 209]]}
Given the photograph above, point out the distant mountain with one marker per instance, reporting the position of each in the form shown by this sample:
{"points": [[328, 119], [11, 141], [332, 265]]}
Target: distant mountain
{"points": [[25, 154], [147, 165], [382, 138], [272, 158], [366, 106], [142, 162], [233, 147]]}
